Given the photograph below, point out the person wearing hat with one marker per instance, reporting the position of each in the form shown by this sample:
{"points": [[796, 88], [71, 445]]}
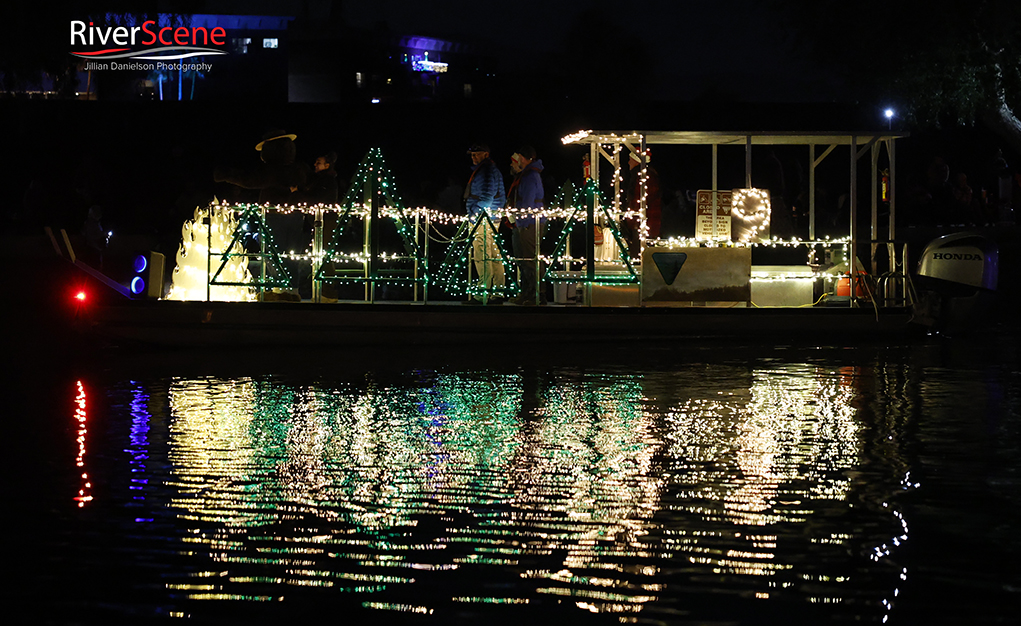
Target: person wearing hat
{"points": [[322, 188], [484, 195], [525, 199], [277, 173], [275, 177]]}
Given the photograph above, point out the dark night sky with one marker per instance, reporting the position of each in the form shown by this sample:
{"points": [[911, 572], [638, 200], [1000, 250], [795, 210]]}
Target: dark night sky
{"points": [[693, 42], [737, 46]]}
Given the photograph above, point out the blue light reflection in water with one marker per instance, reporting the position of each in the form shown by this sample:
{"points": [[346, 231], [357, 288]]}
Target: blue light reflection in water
{"points": [[139, 448]]}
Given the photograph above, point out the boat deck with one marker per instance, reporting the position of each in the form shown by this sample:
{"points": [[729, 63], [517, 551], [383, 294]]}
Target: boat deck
{"points": [[414, 323]]}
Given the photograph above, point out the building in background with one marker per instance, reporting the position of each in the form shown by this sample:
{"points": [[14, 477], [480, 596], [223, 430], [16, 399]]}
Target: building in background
{"points": [[349, 64], [310, 56]]}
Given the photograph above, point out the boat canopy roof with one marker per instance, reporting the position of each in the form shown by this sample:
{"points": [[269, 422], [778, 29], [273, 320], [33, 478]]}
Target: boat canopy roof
{"points": [[860, 143], [682, 137]]}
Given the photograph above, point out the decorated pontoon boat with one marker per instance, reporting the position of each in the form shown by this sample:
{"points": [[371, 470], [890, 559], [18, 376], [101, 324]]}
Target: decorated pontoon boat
{"points": [[382, 272]]}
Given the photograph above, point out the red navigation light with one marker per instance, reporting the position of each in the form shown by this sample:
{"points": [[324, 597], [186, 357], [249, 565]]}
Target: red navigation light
{"points": [[80, 296]]}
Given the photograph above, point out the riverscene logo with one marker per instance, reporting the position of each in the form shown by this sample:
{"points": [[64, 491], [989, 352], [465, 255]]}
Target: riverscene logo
{"points": [[148, 42]]}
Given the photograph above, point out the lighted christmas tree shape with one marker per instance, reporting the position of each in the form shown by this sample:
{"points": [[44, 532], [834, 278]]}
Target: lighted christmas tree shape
{"points": [[373, 191], [453, 274], [583, 209], [191, 273], [251, 223]]}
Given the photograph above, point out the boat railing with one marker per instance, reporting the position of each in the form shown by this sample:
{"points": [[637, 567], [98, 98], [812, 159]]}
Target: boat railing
{"points": [[893, 280], [362, 258], [609, 265]]}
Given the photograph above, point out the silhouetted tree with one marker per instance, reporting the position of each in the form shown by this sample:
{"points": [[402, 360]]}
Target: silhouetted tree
{"points": [[942, 61]]}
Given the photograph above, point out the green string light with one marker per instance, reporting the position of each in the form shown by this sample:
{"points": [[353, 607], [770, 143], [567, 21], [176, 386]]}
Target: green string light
{"points": [[251, 222], [453, 274], [372, 191], [581, 201], [373, 181]]}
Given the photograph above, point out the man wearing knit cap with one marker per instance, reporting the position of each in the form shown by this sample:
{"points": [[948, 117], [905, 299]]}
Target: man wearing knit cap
{"points": [[525, 200]]}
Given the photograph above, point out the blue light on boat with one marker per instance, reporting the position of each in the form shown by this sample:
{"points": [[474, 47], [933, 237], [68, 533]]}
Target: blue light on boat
{"points": [[137, 285]]}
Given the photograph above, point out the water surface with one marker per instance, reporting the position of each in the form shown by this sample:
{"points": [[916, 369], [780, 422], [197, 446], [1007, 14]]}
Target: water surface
{"points": [[682, 485]]}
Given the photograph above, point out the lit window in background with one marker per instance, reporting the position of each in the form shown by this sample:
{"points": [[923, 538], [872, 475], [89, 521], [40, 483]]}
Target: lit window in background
{"points": [[270, 42]]}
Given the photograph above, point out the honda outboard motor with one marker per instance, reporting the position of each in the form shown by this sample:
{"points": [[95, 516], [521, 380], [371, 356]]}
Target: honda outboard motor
{"points": [[956, 281]]}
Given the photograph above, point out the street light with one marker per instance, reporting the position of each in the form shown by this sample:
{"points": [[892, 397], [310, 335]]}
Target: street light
{"points": [[889, 118]]}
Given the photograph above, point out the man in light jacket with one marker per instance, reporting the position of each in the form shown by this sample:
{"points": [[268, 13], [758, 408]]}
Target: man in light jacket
{"points": [[484, 192]]}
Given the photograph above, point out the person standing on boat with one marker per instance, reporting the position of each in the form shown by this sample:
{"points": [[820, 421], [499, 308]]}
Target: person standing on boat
{"points": [[484, 195], [275, 178], [631, 227], [322, 188], [322, 185], [525, 198]]}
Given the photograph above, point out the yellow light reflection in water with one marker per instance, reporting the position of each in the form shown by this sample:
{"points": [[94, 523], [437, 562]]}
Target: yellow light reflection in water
{"points": [[759, 457], [321, 487]]}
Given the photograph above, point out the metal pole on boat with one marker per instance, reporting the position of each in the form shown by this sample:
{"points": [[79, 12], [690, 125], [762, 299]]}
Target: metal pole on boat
{"points": [[643, 183], [907, 293], [415, 275], [591, 197], [811, 192], [890, 148], [590, 213], [374, 243], [748, 162], [716, 166], [208, 221], [715, 187], [902, 273], [616, 181], [262, 251], [853, 198], [471, 255], [874, 236], [425, 284], [367, 242], [538, 251], [317, 251], [485, 278]]}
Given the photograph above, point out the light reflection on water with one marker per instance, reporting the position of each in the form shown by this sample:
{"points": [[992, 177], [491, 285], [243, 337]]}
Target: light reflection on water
{"points": [[81, 416], [585, 488], [718, 491]]}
